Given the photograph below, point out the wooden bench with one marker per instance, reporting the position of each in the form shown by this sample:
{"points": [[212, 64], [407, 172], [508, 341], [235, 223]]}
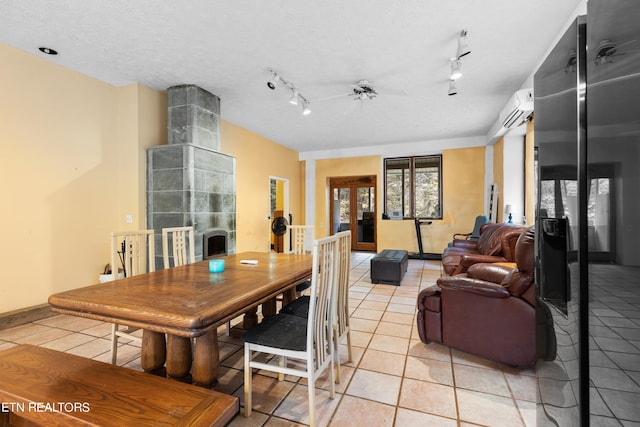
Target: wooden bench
{"points": [[43, 387]]}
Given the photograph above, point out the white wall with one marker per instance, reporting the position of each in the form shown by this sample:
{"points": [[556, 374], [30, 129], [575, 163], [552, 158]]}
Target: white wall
{"points": [[513, 191]]}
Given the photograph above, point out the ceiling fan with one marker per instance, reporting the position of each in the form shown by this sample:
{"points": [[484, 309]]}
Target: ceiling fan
{"points": [[607, 50], [361, 91]]}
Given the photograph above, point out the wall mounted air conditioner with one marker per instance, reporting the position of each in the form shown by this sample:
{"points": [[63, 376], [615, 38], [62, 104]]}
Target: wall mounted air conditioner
{"points": [[519, 107]]}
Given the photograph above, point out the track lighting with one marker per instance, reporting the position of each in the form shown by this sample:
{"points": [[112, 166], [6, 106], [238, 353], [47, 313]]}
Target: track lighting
{"points": [[463, 47], [456, 72], [271, 84], [452, 88], [296, 96], [305, 108]]}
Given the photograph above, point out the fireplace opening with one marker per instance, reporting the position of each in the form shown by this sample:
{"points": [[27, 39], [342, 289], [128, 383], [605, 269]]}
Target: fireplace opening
{"points": [[214, 244]]}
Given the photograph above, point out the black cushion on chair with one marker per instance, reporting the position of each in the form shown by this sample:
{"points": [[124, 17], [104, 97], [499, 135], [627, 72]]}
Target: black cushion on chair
{"points": [[298, 307], [280, 331], [303, 286]]}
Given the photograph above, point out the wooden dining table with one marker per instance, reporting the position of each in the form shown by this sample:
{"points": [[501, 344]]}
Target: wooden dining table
{"points": [[188, 303]]}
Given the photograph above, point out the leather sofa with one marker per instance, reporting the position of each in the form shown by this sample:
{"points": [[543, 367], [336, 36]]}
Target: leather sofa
{"points": [[496, 243], [488, 311]]}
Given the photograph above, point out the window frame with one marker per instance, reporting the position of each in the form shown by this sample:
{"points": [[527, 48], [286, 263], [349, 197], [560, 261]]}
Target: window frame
{"points": [[412, 185]]}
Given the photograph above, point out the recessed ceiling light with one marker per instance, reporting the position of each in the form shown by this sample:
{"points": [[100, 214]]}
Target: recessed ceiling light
{"points": [[48, 51]]}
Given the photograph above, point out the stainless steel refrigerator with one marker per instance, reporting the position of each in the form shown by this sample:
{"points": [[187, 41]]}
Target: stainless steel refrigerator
{"points": [[587, 142]]}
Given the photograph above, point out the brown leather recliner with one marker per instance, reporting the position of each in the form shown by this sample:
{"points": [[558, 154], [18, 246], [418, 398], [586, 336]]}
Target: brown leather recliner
{"points": [[488, 311], [496, 244]]}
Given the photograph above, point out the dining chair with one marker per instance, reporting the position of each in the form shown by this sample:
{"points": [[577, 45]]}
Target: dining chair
{"points": [[306, 339], [341, 324], [300, 235], [182, 249], [340, 314], [135, 251]]}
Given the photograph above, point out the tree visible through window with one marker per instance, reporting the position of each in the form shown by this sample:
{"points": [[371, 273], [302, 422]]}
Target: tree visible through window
{"points": [[413, 185]]}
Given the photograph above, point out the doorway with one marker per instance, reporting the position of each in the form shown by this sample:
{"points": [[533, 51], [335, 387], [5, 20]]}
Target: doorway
{"points": [[278, 208], [353, 207]]}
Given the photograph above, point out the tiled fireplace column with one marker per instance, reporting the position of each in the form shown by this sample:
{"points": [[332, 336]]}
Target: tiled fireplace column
{"points": [[189, 182]]}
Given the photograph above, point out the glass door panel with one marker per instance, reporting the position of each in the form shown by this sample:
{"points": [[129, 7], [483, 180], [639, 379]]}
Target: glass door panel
{"points": [[365, 213], [341, 210], [353, 207]]}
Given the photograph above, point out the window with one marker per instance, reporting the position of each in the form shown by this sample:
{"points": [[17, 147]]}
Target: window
{"points": [[413, 185]]}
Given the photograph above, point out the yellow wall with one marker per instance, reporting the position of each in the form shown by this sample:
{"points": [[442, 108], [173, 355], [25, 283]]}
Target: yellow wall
{"points": [[463, 199], [257, 159], [71, 147]]}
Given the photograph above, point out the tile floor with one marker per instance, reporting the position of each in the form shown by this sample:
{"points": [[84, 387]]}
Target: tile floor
{"points": [[394, 379]]}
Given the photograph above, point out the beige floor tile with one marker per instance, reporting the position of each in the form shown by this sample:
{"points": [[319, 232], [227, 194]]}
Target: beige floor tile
{"points": [[354, 410], [256, 419], [93, 348], [481, 379], [378, 297], [430, 351], [373, 305], [281, 422], [527, 412], [267, 393], [22, 331], [389, 343], [383, 290], [368, 314], [363, 325], [405, 319], [394, 329], [295, 407], [376, 386], [43, 336], [396, 299], [71, 323], [428, 397], [523, 387], [68, 342], [401, 308], [409, 418], [382, 361], [431, 370], [488, 409], [360, 339]]}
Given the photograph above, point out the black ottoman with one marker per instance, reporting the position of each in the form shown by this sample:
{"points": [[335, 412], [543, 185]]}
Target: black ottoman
{"points": [[389, 266]]}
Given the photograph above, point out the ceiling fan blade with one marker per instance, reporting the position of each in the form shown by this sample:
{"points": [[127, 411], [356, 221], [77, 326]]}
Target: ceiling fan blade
{"points": [[625, 43], [334, 96]]}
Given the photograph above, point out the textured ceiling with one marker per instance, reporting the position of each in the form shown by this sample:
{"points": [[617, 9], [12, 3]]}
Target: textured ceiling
{"points": [[403, 48]]}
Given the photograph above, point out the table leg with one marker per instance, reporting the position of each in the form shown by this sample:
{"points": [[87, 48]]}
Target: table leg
{"points": [[288, 296], [153, 352], [206, 360], [250, 319], [179, 356], [269, 308]]}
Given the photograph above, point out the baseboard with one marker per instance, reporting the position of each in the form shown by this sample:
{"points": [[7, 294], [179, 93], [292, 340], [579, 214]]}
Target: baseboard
{"points": [[426, 256], [22, 316]]}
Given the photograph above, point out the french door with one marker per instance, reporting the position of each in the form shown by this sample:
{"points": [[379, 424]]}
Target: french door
{"points": [[353, 207]]}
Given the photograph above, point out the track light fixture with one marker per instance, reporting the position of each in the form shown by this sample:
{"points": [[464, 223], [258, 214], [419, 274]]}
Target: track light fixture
{"points": [[305, 108], [452, 88], [296, 96], [456, 72], [456, 63], [275, 78], [463, 47]]}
